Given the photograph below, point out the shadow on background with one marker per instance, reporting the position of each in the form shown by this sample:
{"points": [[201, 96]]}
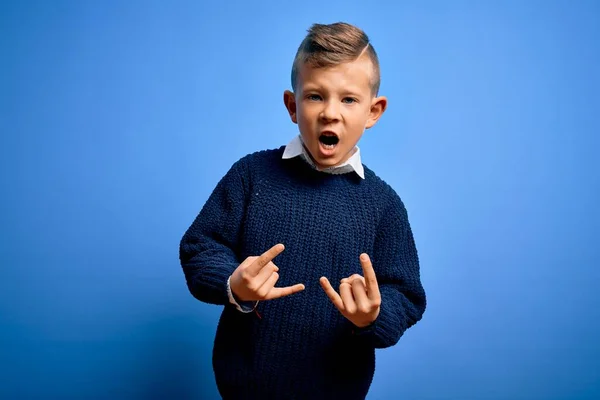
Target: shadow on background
{"points": [[166, 358]]}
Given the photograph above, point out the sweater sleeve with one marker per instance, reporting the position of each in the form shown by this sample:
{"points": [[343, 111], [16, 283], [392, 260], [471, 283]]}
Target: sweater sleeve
{"points": [[208, 250], [396, 265]]}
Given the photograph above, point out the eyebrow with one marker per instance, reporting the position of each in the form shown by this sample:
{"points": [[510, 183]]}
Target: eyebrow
{"points": [[316, 88]]}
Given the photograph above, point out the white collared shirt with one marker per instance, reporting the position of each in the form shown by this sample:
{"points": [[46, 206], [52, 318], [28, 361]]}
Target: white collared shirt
{"points": [[296, 148]]}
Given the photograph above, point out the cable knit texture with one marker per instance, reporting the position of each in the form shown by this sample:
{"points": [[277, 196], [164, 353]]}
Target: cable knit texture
{"points": [[300, 346]]}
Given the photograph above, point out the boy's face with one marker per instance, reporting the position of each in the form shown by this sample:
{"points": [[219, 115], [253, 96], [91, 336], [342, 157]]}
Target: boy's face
{"points": [[332, 107]]}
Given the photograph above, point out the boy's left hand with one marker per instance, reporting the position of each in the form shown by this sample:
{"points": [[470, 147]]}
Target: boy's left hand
{"points": [[359, 299]]}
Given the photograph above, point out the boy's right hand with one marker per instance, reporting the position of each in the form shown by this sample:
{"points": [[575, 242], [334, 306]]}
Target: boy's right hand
{"points": [[255, 278]]}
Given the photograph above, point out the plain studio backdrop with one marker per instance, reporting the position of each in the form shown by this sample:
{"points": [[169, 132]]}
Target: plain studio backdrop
{"points": [[117, 119]]}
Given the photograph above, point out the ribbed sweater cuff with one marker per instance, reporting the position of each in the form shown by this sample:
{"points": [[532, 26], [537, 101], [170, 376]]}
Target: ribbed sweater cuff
{"points": [[383, 332], [215, 283]]}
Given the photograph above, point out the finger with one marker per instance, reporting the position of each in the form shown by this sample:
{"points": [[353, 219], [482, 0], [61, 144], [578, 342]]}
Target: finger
{"points": [[260, 280], [370, 278], [265, 258], [332, 294], [359, 292], [268, 285], [248, 261], [350, 279], [346, 294], [284, 291]]}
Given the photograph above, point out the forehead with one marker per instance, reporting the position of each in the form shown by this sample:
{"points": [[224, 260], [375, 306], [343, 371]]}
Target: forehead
{"points": [[354, 75]]}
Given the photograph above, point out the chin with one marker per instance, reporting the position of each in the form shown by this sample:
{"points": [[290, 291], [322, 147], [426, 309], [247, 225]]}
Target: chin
{"points": [[328, 163]]}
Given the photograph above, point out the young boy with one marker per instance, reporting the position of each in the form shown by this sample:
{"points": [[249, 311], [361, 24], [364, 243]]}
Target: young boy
{"points": [[284, 223]]}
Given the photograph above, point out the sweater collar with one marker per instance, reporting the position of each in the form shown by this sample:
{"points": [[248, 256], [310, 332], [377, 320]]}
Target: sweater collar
{"points": [[296, 148]]}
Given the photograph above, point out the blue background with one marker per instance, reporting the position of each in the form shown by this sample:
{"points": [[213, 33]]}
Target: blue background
{"points": [[117, 119]]}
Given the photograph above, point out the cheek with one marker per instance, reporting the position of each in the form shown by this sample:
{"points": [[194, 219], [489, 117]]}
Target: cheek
{"points": [[305, 124], [305, 116], [356, 115], [356, 120], [363, 117]]}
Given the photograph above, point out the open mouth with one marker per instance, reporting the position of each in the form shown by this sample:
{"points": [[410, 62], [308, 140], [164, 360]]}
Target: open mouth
{"points": [[329, 140]]}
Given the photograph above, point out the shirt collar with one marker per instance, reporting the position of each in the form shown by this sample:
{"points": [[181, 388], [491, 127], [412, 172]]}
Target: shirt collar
{"points": [[296, 148]]}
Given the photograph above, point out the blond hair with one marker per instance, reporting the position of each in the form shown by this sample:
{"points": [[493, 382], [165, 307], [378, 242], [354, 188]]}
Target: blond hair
{"points": [[334, 44]]}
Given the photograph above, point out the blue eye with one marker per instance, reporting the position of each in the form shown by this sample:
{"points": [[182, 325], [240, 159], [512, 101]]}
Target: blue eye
{"points": [[349, 100], [313, 97]]}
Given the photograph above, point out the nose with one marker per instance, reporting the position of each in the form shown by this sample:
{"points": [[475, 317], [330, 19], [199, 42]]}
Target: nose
{"points": [[330, 111]]}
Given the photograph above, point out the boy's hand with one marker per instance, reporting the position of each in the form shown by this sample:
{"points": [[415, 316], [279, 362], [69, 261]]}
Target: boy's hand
{"points": [[359, 299], [255, 278]]}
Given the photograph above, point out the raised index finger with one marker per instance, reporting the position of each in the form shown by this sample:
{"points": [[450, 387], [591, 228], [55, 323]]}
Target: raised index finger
{"points": [[265, 258], [370, 278]]}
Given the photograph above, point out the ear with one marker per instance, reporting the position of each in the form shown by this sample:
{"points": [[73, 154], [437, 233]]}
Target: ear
{"points": [[378, 107], [290, 103]]}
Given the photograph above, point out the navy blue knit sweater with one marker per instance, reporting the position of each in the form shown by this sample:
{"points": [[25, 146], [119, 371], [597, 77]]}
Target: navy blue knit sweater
{"points": [[300, 346]]}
